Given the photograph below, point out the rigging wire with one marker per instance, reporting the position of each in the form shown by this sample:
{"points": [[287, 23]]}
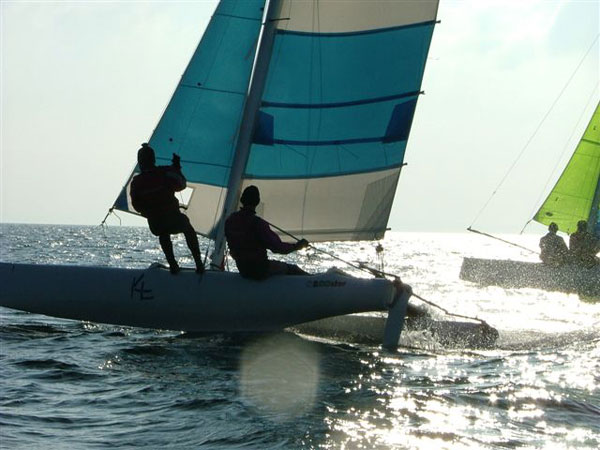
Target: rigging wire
{"points": [[535, 131], [565, 149], [380, 274], [472, 230], [111, 212]]}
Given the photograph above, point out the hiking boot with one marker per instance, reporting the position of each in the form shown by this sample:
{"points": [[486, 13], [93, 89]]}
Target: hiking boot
{"points": [[199, 264], [174, 268]]}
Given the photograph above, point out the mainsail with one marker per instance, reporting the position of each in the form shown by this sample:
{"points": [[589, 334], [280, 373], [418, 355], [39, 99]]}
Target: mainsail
{"points": [[332, 122], [576, 195], [342, 87]]}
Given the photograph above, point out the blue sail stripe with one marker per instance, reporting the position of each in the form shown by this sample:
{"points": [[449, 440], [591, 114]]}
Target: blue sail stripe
{"points": [[312, 122], [386, 121], [286, 161], [341, 104], [307, 69], [356, 33]]}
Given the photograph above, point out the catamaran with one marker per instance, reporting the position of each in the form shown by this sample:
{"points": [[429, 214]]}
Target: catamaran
{"points": [[575, 197], [312, 101]]}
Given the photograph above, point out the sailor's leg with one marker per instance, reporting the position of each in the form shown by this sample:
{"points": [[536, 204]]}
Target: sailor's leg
{"points": [[194, 246], [295, 270], [167, 248], [281, 268], [276, 268]]}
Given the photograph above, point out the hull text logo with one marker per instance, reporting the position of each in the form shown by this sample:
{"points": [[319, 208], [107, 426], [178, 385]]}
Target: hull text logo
{"points": [[138, 289]]}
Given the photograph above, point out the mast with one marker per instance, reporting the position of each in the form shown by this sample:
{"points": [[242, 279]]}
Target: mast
{"points": [[242, 149], [593, 217]]}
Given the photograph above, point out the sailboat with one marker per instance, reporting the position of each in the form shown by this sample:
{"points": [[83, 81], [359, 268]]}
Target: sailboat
{"points": [[312, 101], [575, 197]]}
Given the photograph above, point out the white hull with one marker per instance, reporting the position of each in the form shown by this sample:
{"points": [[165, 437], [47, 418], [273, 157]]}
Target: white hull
{"points": [[213, 302], [521, 274], [369, 329]]}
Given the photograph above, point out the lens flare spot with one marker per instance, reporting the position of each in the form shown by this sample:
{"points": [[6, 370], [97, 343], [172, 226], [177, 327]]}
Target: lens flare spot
{"points": [[279, 375]]}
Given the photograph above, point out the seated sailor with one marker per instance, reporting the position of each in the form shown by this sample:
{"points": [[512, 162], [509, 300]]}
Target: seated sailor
{"points": [[249, 237], [554, 251], [584, 246], [153, 196]]}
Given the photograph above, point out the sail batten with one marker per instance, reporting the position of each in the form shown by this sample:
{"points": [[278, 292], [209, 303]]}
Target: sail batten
{"points": [[330, 143], [339, 105], [204, 88], [249, 178], [356, 33]]}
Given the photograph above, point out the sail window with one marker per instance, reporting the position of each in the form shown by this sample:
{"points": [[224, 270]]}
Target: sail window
{"points": [[185, 196], [399, 125]]}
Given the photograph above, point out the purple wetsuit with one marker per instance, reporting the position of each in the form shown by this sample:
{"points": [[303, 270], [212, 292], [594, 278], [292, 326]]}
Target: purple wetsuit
{"points": [[248, 238]]}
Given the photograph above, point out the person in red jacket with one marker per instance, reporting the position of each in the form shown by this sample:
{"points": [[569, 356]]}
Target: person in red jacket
{"points": [[153, 196], [249, 237]]}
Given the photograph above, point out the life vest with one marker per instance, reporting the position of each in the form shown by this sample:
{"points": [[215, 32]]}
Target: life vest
{"points": [[241, 231], [153, 191]]}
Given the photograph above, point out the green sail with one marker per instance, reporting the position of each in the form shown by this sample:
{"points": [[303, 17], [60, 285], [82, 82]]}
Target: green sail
{"points": [[576, 194]]}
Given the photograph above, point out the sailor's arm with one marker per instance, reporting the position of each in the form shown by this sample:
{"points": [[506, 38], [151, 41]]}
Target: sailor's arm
{"points": [[271, 241], [173, 175]]}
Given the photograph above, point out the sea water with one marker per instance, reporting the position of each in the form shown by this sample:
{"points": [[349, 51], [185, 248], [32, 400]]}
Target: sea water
{"points": [[71, 384]]}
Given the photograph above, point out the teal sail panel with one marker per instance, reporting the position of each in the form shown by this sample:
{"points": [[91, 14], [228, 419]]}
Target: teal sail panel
{"points": [[347, 108], [337, 109], [202, 118]]}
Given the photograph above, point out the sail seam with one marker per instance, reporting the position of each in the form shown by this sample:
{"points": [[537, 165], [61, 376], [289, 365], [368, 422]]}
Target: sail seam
{"points": [[204, 88], [340, 231], [249, 176], [340, 104], [588, 141], [231, 16]]}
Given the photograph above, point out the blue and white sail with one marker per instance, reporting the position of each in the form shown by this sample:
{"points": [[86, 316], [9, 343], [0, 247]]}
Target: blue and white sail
{"points": [[331, 124], [336, 113]]}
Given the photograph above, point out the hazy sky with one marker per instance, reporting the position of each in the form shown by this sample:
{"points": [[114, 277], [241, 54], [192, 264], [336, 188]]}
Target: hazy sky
{"points": [[84, 83]]}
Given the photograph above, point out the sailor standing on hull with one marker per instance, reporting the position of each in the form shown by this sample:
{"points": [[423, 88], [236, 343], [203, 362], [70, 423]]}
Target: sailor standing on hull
{"points": [[153, 196], [249, 237]]}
